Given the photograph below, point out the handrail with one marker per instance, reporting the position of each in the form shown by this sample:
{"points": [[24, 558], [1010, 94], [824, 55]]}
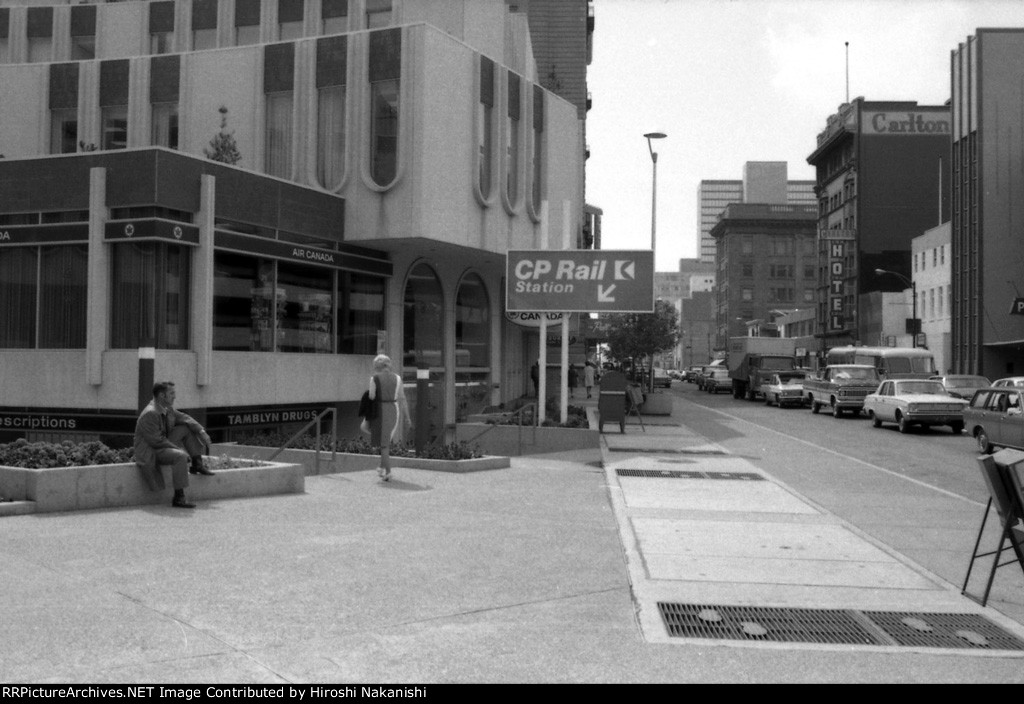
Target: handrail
{"points": [[518, 412], [334, 438]]}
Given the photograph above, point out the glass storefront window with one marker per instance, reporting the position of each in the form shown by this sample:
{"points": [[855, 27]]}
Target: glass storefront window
{"points": [[307, 310], [472, 347], [360, 312], [243, 303], [18, 268], [63, 293], [150, 295]]}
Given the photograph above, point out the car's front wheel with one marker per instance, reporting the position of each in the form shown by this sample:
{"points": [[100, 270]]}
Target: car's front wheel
{"points": [[902, 423], [815, 407], [837, 412], [984, 445]]}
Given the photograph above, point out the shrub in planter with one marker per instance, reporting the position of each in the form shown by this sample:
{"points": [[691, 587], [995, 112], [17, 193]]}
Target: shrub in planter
{"points": [[360, 446], [44, 455]]}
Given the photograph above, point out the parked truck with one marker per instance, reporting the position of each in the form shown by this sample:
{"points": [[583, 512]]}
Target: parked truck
{"points": [[841, 387], [753, 359]]}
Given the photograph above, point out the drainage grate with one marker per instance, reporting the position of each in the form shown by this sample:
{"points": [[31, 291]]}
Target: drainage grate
{"points": [[684, 474], [669, 451], [787, 625], [765, 624], [933, 630]]}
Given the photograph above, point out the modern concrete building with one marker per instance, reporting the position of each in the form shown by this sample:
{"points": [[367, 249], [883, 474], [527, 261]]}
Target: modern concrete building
{"points": [[763, 182], [879, 186], [932, 274], [377, 160], [767, 259], [987, 247]]}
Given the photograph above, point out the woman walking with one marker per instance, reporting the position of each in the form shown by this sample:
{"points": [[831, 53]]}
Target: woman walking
{"points": [[386, 389]]}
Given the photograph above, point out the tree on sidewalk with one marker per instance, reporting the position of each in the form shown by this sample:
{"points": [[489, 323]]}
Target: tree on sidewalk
{"points": [[639, 336]]}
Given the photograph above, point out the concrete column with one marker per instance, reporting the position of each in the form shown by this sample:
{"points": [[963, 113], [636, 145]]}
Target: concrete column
{"points": [[201, 303], [97, 311]]}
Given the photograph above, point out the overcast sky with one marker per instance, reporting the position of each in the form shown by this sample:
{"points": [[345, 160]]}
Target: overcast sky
{"points": [[731, 81]]}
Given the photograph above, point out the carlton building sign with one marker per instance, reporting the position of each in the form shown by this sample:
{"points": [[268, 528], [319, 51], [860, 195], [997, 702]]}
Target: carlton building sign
{"points": [[906, 123]]}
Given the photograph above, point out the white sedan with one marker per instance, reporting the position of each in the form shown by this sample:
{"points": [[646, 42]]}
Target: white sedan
{"points": [[909, 402]]}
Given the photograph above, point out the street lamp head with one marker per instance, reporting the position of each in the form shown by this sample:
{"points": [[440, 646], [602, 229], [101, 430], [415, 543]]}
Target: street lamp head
{"points": [[655, 135]]}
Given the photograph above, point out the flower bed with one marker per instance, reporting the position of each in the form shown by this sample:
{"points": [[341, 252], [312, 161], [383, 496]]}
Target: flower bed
{"points": [[62, 485], [357, 454]]}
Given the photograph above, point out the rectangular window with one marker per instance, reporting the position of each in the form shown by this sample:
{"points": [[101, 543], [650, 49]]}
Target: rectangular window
{"points": [[290, 16], [809, 272], [161, 27], [780, 295], [306, 308], [360, 312], [63, 274], [5, 31], [204, 24], [244, 303], [746, 245], [40, 34], [165, 125], [115, 127], [378, 13], [83, 32], [334, 15], [781, 271], [150, 295], [279, 134], [64, 131], [19, 267], [247, 22], [747, 294]]}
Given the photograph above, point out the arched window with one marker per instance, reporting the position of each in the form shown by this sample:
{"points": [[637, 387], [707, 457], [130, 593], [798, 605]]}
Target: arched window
{"points": [[472, 346], [512, 140], [331, 68], [485, 129], [423, 320], [385, 69]]}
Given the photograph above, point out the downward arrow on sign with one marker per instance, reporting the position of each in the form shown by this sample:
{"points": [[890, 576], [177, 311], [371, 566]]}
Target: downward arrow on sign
{"points": [[604, 295]]}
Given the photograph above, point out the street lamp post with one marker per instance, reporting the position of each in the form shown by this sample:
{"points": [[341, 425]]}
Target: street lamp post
{"points": [[654, 182], [913, 293]]}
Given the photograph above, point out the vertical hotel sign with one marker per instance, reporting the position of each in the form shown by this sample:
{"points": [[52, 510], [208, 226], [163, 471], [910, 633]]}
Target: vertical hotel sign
{"points": [[837, 243]]}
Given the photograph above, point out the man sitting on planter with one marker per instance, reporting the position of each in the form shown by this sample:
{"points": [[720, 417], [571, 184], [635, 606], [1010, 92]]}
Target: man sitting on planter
{"points": [[164, 435]]}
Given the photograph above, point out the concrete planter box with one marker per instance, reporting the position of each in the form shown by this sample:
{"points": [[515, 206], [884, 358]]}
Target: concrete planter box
{"points": [[513, 441], [350, 462], [656, 404], [113, 485]]}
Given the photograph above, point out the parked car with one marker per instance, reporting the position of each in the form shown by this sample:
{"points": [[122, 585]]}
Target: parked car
{"points": [[705, 371], [784, 389], [661, 378], [691, 374], [962, 385], [1017, 381], [910, 402], [718, 379], [994, 418]]}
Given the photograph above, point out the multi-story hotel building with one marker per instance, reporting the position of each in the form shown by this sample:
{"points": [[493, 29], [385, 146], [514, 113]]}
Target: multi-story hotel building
{"points": [[372, 162], [879, 186], [763, 182], [988, 211]]}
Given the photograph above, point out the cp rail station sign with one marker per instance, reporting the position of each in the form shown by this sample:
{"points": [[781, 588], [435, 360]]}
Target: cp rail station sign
{"points": [[580, 281]]}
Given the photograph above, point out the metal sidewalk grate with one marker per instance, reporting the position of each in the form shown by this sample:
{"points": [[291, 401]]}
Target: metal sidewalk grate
{"points": [[765, 624], [933, 630], [669, 451], [839, 627], [688, 474]]}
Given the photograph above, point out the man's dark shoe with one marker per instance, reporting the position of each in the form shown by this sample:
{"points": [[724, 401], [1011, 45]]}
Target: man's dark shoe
{"points": [[182, 502], [199, 468]]}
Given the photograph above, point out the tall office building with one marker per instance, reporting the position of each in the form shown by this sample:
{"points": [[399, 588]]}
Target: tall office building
{"points": [[763, 182], [268, 193], [987, 247]]}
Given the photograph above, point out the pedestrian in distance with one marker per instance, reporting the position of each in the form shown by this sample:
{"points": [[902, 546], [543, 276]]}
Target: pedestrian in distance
{"points": [[164, 435], [392, 410], [535, 377], [588, 377], [573, 379]]}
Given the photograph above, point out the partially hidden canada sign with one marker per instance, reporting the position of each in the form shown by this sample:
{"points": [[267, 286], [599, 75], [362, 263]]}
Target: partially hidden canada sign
{"points": [[580, 281]]}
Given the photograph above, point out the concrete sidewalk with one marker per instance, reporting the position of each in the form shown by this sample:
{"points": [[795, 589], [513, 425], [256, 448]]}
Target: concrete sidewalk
{"points": [[544, 572]]}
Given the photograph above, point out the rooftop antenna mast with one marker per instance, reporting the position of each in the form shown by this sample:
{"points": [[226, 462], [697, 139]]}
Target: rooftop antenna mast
{"points": [[847, 72]]}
